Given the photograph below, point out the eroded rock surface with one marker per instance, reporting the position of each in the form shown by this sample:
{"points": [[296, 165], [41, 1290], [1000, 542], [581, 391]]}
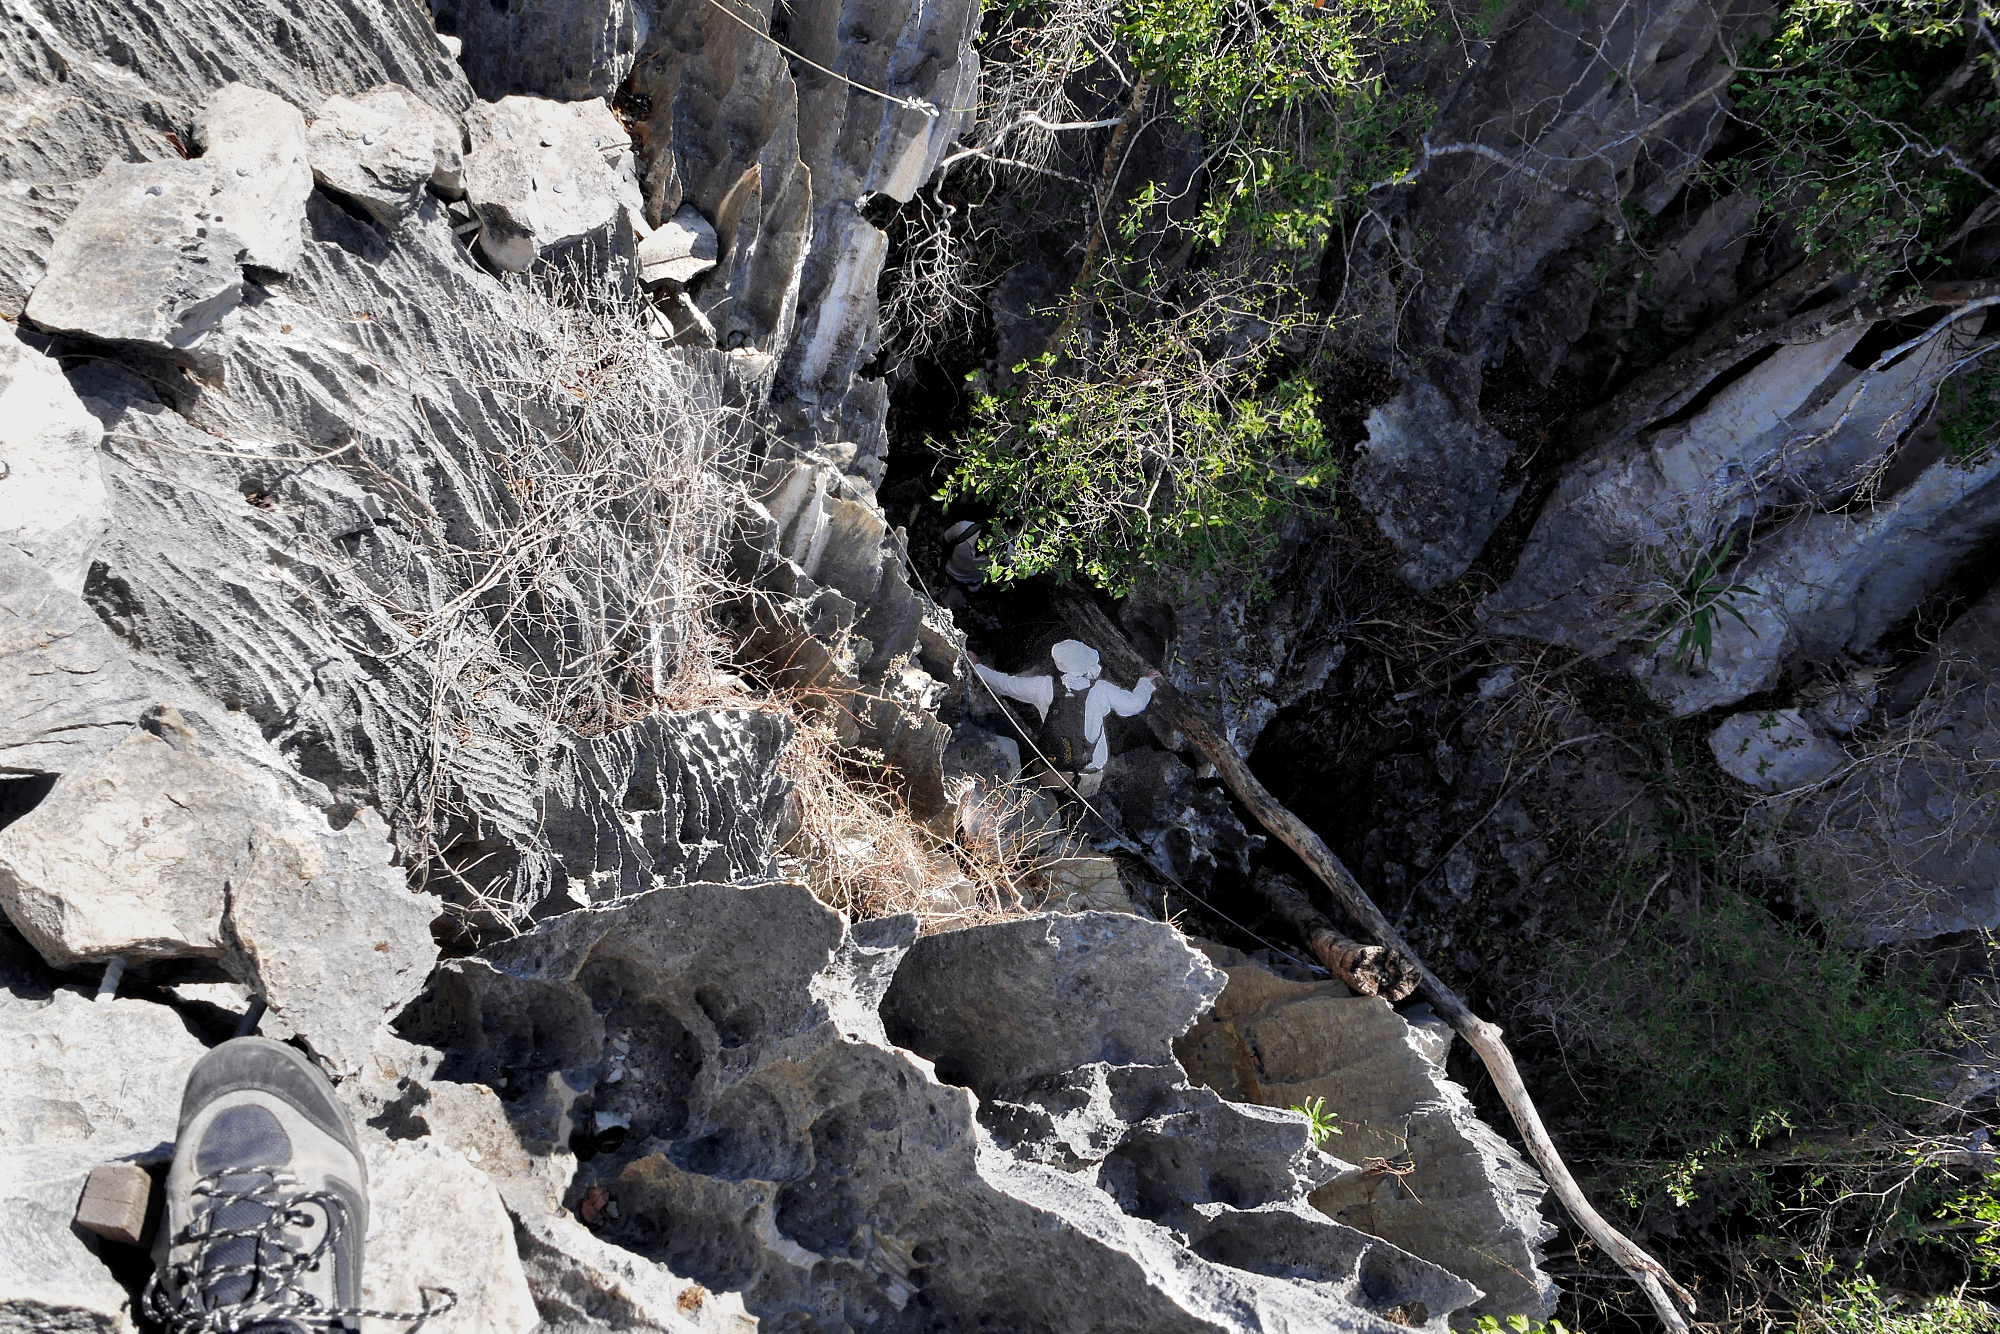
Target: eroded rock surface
{"points": [[745, 1140], [1468, 1201]]}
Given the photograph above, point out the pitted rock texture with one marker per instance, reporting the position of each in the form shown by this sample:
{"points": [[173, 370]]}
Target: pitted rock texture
{"points": [[1471, 1202], [549, 181], [382, 148], [684, 1046]]}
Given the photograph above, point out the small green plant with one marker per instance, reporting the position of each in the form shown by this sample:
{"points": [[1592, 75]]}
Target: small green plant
{"points": [[1860, 1305], [1720, 1028], [1689, 592], [1319, 1121], [1517, 1324]]}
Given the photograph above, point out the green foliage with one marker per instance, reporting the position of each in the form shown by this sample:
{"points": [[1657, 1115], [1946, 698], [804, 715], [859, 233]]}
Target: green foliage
{"points": [[1517, 1324], [1319, 1121], [1150, 456], [1851, 141], [1721, 1027], [1689, 593], [1860, 1306], [1290, 98], [1969, 423]]}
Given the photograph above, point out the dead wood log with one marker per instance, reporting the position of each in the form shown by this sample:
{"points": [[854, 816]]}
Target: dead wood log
{"points": [[1122, 660], [1371, 970]]}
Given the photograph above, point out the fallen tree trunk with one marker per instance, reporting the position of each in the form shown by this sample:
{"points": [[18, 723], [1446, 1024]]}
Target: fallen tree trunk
{"points": [[1170, 706], [1372, 970]]}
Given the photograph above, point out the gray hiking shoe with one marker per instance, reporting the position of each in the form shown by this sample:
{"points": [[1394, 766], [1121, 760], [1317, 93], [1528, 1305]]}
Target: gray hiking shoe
{"points": [[266, 1203]]}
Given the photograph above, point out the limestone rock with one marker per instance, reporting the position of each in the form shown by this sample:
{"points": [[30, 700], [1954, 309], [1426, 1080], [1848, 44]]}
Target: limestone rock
{"points": [[1056, 993], [143, 260], [90, 83], [681, 250], [325, 928], [678, 797], [1908, 840], [1775, 751], [383, 148], [1191, 832], [254, 145], [1432, 479], [156, 253], [51, 486], [132, 856], [1471, 1202], [161, 851], [686, 1043], [568, 52], [435, 1221], [843, 619], [583, 1282], [1801, 429], [1082, 884], [549, 179], [81, 1083]]}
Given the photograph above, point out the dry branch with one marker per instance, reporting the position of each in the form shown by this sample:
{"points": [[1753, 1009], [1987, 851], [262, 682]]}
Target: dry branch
{"points": [[1372, 970], [1174, 709]]}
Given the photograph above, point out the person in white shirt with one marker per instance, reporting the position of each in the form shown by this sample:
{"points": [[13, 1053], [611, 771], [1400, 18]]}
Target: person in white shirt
{"points": [[1071, 703]]}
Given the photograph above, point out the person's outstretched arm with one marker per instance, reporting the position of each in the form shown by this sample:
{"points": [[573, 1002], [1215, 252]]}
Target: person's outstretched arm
{"points": [[1107, 698], [1039, 691]]}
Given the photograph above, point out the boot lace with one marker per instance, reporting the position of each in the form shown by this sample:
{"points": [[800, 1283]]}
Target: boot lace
{"points": [[248, 1261]]}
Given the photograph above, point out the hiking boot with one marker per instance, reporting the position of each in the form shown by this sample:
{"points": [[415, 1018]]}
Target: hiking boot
{"points": [[266, 1203]]}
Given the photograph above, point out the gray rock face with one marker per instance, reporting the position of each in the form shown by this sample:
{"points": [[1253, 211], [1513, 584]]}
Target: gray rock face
{"points": [[569, 52], [383, 148], [842, 619], [685, 1042], [159, 851], [51, 487], [1431, 476], [781, 164], [435, 1220], [678, 797], [1908, 839], [93, 82], [1054, 993], [156, 253], [1803, 428], [131, 856], [680, 251], [549, 179], [1471, 1204], [1775, 751], [81, 1083], [254, 143], [1190, 832]]}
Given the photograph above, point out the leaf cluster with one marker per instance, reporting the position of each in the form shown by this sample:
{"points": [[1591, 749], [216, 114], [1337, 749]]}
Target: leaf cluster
{"points": [[1690, 592], [1851, 140], [1154, 454]]}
